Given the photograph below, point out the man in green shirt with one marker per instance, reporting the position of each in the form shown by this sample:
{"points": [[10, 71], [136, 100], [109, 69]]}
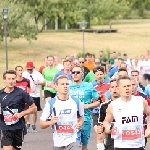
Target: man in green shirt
{"points": [[103, 59], [111, 60], [49, 74]]}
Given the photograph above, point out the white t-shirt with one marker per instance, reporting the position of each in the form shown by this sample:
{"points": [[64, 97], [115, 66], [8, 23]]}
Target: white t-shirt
{"points": [[36, 76], [146, 67], [129, 122], [128, 62], [68, 112]]}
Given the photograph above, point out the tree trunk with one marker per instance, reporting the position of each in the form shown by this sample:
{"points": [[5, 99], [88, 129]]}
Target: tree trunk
{"points": [[56, 24], [110, 24]]}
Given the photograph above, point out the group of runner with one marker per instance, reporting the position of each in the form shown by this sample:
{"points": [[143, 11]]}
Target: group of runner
{"points": [[77, 94]]}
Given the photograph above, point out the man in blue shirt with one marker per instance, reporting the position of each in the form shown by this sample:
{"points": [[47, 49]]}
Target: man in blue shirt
{"points": [[66, 71], [86, 93], [116, 68], [12, 100]]}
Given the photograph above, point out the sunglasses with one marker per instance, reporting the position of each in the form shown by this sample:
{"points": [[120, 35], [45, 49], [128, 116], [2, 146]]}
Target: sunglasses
{"points": [[76, 72], [81, 62], [29, 69]]}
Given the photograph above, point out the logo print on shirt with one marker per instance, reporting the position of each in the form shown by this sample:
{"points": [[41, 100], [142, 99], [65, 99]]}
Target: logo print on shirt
{"points": [[65, 111], [129, 119]]}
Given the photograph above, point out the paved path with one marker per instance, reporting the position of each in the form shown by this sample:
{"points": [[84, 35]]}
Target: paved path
{"points": [[42, 140]]}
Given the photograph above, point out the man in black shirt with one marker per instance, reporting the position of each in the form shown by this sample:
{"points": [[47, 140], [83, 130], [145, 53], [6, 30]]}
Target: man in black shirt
{"points": [[85, 69], [12, 100], [102, 113]]}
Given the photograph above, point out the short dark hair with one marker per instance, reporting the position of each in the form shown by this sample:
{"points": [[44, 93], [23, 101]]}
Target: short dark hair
{"points": [[122, 69], [98, 68], [50, 56], [120, 59], [146, 76], [77, 66], [123, 78], [60, 77], [135, 71], [8, 72], [113, 80], [88, 54], [18, 67]]}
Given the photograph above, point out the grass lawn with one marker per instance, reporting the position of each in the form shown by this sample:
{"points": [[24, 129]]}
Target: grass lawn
{"points": [[133, 37]]}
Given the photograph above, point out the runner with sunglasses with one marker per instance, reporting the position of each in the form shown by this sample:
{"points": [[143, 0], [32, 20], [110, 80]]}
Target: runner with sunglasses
{"points": [[85, 69], [86, 93], [65, 114]]}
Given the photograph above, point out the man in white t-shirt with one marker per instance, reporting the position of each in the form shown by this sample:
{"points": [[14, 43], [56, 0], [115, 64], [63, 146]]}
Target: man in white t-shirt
{"points": [[127, 61], [65, 114], [36, 80], [146, 66], [129, 132]]}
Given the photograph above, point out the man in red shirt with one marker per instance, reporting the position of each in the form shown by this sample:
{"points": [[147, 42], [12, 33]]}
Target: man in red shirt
{"points": [[45, 65], [24, 84]]}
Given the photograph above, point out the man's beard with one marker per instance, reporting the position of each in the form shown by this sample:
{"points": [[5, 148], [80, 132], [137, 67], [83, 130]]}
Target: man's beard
{"points": [[76, 80]]}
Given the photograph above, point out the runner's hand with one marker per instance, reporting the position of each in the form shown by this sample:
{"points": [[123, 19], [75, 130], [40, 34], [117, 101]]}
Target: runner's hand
{"points": [[54, 120], [100, 129], [147, 133], [85, 106], [79, 125], [18, 115], [36, 82]]}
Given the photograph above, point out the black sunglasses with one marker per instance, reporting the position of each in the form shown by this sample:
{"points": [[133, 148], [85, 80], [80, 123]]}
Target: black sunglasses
{"points": [[29, 69], [81, 62], [76, 72]]}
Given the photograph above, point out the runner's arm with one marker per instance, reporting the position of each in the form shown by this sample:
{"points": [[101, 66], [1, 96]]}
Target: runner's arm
{"points": [[32, 109], [46, 119], [108, 119], [147, 112]]}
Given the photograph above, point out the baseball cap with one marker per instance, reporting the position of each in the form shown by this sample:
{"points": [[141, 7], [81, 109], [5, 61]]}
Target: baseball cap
{"points": [[29, 65]]}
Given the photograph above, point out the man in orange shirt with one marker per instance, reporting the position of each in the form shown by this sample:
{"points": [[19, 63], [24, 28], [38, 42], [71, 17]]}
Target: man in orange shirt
{"points": [[89, 63]]}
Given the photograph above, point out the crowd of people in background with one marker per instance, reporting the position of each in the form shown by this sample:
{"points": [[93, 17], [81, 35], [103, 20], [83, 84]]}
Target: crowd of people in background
{"points": [[78, 92]]}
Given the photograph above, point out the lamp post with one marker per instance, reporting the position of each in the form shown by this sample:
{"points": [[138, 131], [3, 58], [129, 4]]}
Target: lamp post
{"points": [[83, 24], [5, 17]]}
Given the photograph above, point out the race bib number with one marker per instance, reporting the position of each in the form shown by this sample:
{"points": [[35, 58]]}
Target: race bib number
{"points": [[65, 128], [132, 134], [48, 85], [9, 119], [114, 132]]}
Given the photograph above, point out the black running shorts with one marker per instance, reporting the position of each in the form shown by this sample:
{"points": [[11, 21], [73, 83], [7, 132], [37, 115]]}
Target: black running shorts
{"points": [[12, 138]]}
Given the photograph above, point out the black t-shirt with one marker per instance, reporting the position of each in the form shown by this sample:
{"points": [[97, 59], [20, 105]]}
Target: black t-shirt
{"points": [[102, 115], [14, 100]]}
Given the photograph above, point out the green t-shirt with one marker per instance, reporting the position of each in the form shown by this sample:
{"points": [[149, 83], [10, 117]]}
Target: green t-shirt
{"points": [[104, 59], [111, 61], [49, 75], [90, 77]]}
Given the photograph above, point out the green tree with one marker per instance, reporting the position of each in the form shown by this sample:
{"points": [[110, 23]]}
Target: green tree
{"points": [[111, 10], [19, 22]]}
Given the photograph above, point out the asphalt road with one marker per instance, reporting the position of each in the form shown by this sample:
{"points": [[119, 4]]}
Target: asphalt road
{"points": [[42, 140]]}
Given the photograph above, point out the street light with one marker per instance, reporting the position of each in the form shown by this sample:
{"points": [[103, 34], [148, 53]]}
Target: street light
{"points": [[83, 24], [5, 17]]}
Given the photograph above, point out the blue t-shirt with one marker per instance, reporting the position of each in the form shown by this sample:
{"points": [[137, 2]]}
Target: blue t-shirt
{"points": [[147, 90], [86, 93], [62, 73], [112, 71]]}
